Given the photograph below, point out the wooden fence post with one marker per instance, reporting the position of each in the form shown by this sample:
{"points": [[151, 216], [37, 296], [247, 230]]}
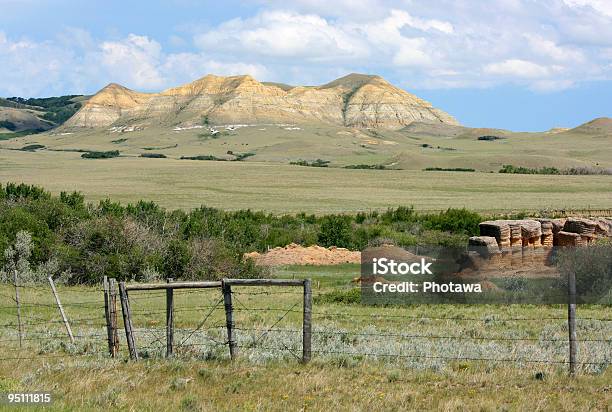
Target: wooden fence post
{"points": [[169, 320], [109, 331], [61, 309], [229, 318], [20, 325], [571, 322], [127, 321], [113, 316], [307, 323]]}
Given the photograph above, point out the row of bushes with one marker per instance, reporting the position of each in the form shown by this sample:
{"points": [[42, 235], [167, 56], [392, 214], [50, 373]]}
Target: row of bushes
{"points": [[449, 169], [367, 167], [100, 155], [554, 171], [89, 241], [314, 163]]}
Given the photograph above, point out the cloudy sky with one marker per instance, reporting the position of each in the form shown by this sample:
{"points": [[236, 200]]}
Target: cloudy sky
{"points": [[518, 64]]}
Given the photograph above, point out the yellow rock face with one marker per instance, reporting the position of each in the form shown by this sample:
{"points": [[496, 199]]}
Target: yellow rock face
{"points": [[355, 100], [107, 106]]}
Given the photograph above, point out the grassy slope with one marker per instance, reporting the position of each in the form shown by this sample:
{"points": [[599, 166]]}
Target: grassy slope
{"points": [[283, 188], [344, 146], [330, 381]]}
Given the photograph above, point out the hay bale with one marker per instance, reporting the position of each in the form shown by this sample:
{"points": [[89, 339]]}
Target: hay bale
{"points": [[558, 224], [483, 245], [546, 225], [604, 226], [535, 242], [531, 229], [516, 235], [568, 239], [581, 226], [498, 229], [547, 240]]}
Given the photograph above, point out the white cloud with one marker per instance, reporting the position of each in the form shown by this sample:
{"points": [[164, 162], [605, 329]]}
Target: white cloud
{"points": [[182, 67], [134, 60], [517, 68], [543, 45], [285, 35], [600, 6], [548, 48]]}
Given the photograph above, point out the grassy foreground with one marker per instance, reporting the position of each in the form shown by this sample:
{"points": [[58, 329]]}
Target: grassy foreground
{"points": [[280, 188], [223, 386], [350, 370]]}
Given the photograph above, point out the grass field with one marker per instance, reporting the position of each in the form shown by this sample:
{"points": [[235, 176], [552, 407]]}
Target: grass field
{"points": [[364, 358], [280, 188]]}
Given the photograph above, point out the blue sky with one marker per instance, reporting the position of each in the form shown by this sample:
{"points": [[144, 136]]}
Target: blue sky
{"points": [[516, 64]]}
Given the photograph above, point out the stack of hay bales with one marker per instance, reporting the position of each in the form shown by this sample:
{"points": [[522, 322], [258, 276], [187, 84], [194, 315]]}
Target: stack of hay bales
{"points": [[531, 231], [558, 224], [583, 227], [516, 234], [529, 241], [499, 229], [547, 232], [516, 243], [485, 245], [604, 226], [568, 239], [484, 252]]}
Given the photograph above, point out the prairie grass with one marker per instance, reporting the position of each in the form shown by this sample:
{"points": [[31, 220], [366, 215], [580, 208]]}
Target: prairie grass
{"points": [[281, 188], [355, 353]]}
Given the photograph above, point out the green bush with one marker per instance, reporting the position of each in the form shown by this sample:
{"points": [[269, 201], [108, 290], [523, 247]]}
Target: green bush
{"points": [[528, 171], [448, 169], [136, 240], [8, 125], [201, 157], [153, 155], [32, 147], [347, 297], [335, 231], [315, 163], [460, 221], [101, 155], [368, 167]]}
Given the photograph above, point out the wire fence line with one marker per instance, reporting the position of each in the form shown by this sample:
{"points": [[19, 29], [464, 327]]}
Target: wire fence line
{"points": [[264, 329]]}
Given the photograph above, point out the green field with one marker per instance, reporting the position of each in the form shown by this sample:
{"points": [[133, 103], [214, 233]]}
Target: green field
{"points": [[280, 188], [390, 358]]}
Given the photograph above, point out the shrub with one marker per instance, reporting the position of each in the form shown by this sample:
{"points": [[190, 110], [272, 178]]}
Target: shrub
{"points": [[32, 147], [370, 167], [315, 163], [335, 231], [489, 138], [528, 171], [143, 240], [242, 156], [455, 221], [448, 169], [201, 157], [350, 296], [8, 125], [153, 155], [101, 155]]}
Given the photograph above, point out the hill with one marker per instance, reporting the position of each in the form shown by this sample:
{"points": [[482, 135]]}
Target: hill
{"points": [[22, 116], [356, 100], [600, 126]]}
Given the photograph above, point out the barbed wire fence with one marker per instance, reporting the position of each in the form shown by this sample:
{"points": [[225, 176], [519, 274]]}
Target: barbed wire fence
{"points": [[256, 319]]}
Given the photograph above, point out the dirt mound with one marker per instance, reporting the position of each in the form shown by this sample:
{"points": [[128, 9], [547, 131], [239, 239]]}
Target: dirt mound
{"points": [[299, 255]]}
